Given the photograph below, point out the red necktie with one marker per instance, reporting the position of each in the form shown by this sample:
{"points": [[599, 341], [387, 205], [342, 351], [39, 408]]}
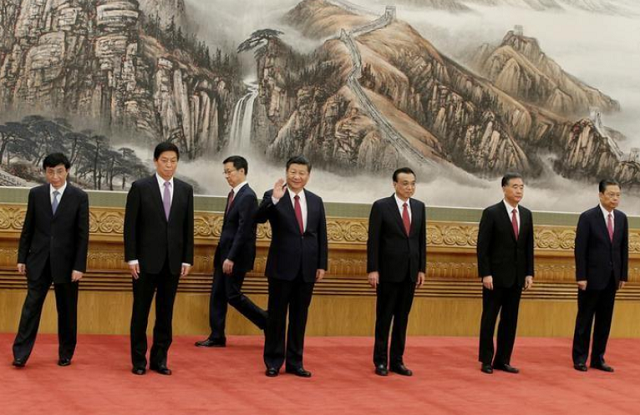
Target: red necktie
{"points": [[610, 226], [229, 201], [405, 219], [514, 223], [298, 210]]}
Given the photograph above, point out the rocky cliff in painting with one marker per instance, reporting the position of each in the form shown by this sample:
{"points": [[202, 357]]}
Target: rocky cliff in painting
{"points": [[377, 95], [93, 59], [519, 67]]}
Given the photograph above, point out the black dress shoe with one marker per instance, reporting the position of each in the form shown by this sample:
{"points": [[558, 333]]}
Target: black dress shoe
{"points": [[401, 370], [271, 372], [64, 361], [486, 368], [163, 370], [19, 362], [381, 370], [580, 367], [506, 368], [602, 366], [299, 371], [212, 343], [138, 371]]}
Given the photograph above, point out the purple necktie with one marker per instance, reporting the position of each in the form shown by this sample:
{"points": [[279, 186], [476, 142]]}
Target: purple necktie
{"points": [[514, 223], [166, 199], [610, 226]]}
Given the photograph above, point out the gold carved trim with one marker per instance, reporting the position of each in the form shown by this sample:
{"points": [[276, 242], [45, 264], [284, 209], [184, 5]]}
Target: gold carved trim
{"points": [[109, 222]]}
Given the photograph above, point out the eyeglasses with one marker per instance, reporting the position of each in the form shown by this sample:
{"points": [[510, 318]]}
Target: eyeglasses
{"points": [[228, 172]]}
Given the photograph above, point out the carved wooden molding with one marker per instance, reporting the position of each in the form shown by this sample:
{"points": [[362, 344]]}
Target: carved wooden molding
{"points": [[109, 222]]}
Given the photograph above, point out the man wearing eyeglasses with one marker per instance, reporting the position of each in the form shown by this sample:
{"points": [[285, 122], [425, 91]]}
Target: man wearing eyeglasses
{"points": [[234, 255], [602, 264]]}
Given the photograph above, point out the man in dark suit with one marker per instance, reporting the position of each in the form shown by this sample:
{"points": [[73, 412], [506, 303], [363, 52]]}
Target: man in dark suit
{"points": [[297, 259], [505, 264], [158, 244], [53, 248], [396, 263], [602, 264], [234, 255]]}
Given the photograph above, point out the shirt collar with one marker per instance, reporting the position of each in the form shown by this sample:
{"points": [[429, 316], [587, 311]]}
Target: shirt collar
{"points": [[510, 208], [301, 194], [238, 187], [161, 181], [400, 202], [60, 190], [605, 212]]}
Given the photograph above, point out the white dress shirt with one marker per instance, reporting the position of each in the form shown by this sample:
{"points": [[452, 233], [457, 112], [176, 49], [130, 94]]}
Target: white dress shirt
{"points": [[401, 203]]}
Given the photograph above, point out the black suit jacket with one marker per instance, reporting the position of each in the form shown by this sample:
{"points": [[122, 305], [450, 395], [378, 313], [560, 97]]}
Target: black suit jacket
{"points": [[291, 253], [597, 257], [238, 237], [62, 238], [390, 252], [148, 236], [499, 254]]}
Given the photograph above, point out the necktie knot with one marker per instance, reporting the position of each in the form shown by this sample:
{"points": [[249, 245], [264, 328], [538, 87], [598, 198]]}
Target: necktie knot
{"points": [[57, 193], [296, 197]]}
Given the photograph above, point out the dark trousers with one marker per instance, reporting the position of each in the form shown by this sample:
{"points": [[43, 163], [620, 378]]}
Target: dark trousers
{"points": [[394, 300], [503, 301], [294, 296], [166, 286], [226, 289], [598, 303], [67, 306]]}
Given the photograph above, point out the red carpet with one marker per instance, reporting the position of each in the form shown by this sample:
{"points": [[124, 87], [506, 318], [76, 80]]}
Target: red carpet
{"points": [[447, 380]]}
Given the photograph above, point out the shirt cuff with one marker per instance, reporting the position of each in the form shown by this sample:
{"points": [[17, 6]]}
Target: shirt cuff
{"points": [[133, 262], [185, 264], [274, 200]]}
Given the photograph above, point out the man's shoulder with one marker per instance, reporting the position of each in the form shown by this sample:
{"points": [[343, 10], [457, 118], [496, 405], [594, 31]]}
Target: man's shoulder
{"points": [[494, 208], [76, 190], [312, 196], [385, 200], [181, 183]]}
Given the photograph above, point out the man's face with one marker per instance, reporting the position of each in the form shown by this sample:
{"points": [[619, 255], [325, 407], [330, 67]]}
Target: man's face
{"points": [[234, 176], [56, 176], [514, 191], [166, 164], [405, 186], [610, 199], [297, 177]]}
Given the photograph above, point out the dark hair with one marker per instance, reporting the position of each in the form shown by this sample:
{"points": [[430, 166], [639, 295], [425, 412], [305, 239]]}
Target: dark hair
{"points": [[165, 146], [299, 160], [406, 170], [56, 159], [510, 176], [602, 186], [239, 162]]}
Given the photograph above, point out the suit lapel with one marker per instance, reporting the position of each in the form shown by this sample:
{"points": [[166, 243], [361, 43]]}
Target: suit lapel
{"points": [[289, 210], [395, 212], [63, 201], [46, 200], [507, 219], [311, 210], [415, 216], [603, 224]]}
